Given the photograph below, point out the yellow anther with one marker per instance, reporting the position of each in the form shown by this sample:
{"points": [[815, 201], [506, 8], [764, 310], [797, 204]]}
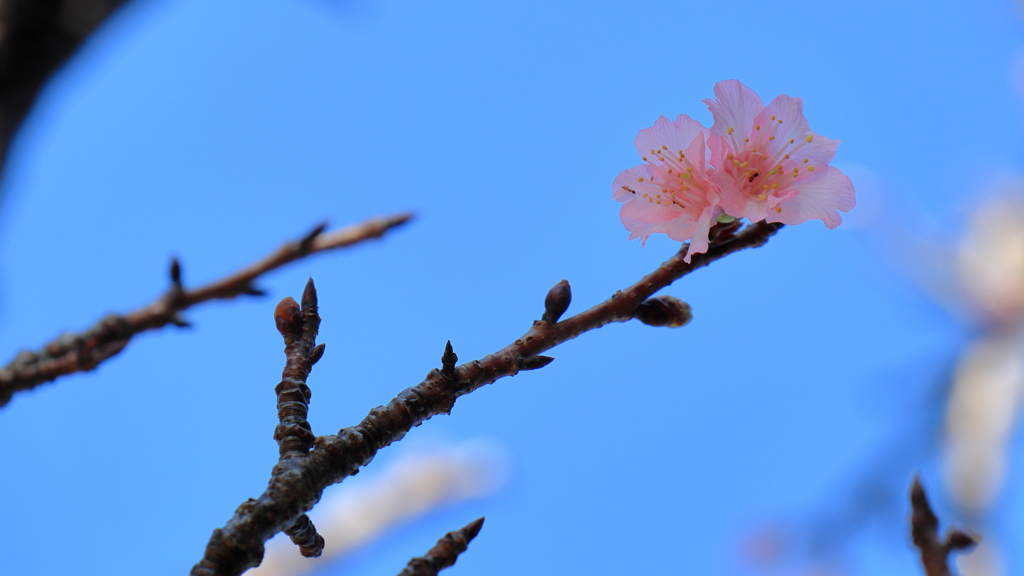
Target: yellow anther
{"points": [[809, 137], [770, 138], [810, 168], [689, 169], [730, 131], [640, 179], [646, 196], [744, 165], [773, 116], [669, 170], [780, 121], [774, 186], [786, 157], [644, 158], [805, 160], [663, 147], [736, 162], [757, 126], [762, 196], [746, 139], [778, 210], [658, 202], [729, 157], [790, 141]]}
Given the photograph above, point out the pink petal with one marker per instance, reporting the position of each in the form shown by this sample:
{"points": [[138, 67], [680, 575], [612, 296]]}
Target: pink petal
{"points": [[698, 234], [673, 136], [819, 197], [793, 127], [636, 179], [734, 106]]}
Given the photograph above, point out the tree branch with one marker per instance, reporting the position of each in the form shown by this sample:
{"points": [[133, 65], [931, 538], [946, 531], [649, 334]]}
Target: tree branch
{"points": [[72, 353], [445, 552], [297, 483], [36, 38], [925, 531]]}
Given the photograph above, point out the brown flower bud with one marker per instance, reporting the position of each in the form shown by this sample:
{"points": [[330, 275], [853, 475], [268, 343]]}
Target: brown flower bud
{"points": [[557, 301], [286, 315], [664, 311]]}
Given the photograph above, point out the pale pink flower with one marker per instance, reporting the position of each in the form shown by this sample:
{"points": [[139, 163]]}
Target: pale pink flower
{"points": [[769, 164], [671, 192]]}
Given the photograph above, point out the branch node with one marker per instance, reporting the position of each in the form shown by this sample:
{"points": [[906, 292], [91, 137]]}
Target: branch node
{"points": [[316, 354], [304, 535], [664, 311], [306, 243], [178, 320], [176, 273], [557, 301], [448, 360], [535, 362], [251, 290], [925, 532], [723, 231]]}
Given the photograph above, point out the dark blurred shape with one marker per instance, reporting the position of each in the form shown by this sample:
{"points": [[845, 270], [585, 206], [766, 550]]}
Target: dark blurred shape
{"points": [[36, 38], [925, 531]]}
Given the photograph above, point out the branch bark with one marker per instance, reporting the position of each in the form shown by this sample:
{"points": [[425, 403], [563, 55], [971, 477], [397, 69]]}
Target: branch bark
{"points": [[445, 552], [925, 531], [84, 351], [297, 483]]}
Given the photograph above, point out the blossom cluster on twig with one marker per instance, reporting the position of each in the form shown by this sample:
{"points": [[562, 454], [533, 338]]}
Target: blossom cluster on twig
{"points": [[756, 162]]}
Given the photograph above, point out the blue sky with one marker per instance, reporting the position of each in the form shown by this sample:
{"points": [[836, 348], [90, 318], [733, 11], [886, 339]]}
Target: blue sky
{"points": [[214, 131]]}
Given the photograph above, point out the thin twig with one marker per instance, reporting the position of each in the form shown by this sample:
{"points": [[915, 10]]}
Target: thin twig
{"points": [[445, 552], [84, 351], [925, 530], [297, 483]]}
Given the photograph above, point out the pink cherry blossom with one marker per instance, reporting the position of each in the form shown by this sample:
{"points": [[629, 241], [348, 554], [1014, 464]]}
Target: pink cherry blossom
{"points": [[672, 191], [769, 164]]}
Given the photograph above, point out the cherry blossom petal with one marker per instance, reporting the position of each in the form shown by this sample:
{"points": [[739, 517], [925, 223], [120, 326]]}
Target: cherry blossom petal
{"points": [[668, 136], [635, 182], [734, 107], [818, 197], [781, 129]]}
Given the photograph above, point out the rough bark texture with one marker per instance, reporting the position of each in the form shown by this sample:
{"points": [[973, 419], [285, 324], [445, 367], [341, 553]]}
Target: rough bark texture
{"points": [[445, 552], [297, 483], [925, 531], [84, 351]]}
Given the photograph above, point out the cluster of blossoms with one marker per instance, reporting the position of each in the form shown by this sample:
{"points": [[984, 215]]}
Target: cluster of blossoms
{"points": [[756, 162]]}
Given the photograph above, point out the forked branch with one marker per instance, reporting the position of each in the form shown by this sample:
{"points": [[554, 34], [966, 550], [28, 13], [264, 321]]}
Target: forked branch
{"points": [[84, 351], [296, 483], [925, 531]]}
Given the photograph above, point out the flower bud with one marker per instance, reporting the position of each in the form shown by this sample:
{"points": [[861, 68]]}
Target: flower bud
{"points": [[664, 311], [557, 301]]}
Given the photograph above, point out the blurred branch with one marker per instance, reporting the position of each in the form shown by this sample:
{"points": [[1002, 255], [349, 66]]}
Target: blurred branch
{"points": [[925, 531], [72, 352], [36, 38], [296, 483], [445, 552]]}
